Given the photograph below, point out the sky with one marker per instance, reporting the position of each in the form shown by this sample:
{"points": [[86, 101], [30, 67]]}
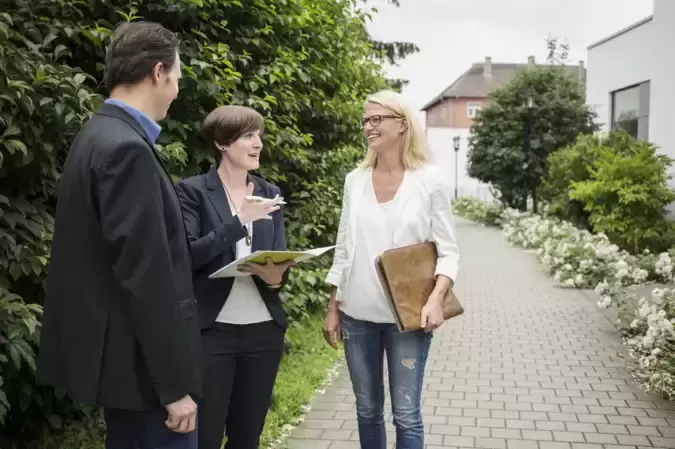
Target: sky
{"points": [[453, 34]]}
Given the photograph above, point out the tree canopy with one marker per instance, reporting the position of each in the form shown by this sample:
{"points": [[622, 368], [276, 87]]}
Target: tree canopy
{"points": [[558, 114]]}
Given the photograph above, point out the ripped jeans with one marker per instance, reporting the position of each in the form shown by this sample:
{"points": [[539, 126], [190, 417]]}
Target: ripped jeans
{"points": [[365, 344]]}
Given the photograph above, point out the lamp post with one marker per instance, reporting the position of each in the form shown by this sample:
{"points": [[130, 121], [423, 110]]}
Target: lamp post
{"points": [[455, 146], [526, 150]]}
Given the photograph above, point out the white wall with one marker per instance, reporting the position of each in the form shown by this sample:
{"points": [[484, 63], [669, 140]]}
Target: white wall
{"points": [[640, 54], [443, 154], [620, 62]]}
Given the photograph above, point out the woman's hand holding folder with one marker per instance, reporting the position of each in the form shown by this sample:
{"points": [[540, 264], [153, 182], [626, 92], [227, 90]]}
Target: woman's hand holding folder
{"points": [[432, 312]]}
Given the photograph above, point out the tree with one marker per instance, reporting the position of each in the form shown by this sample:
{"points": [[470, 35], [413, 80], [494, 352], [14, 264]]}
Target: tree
{"points": [[557, 52], [393, 52], [306, 65], [543, 107]]}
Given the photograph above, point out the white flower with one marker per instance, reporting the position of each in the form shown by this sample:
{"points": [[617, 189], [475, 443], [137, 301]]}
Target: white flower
{"points": [[647, 341], [622, 273], [604, 302], [658, 293], [644, 310], [601, 288]]}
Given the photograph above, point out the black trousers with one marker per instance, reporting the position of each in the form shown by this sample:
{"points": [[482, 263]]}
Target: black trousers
{"points": [[240, 367], [144, 430]]}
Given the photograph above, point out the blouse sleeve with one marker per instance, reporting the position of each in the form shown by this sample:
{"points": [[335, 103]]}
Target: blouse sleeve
{"points": [[340, 253], [443, 232]]}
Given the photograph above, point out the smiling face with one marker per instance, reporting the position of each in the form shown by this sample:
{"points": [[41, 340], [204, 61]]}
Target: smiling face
{"points": [[244, 153], [235, 135], [383, 129]]}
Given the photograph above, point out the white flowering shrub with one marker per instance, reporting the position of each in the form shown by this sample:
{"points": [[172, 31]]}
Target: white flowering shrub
{"points": [[476, 210], [646, 325], [577, 258]]}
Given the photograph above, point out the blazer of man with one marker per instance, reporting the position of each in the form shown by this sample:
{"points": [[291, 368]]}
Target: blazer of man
{"points": [[214, 231], [120, 320]]}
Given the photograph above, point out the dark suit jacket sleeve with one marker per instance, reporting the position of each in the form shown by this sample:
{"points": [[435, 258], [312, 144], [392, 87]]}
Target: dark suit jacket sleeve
{"points": [[279, 243], [207, 247], [131, 210]]}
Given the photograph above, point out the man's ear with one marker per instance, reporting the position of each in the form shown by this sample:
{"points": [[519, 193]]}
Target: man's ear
{"points": [[156, 71]]}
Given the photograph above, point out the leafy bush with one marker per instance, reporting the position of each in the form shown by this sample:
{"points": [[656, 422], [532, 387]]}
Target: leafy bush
{"points": [[306, 65], [42, 103], [626, 194], [18, 326], [573, 164], [477, 210], [565, 167]]}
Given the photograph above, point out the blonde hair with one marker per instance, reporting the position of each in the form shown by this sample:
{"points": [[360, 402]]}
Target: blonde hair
{"points": [[415, 151]]}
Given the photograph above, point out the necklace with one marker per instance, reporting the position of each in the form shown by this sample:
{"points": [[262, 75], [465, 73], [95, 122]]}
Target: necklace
{"points": [[249, 241]]}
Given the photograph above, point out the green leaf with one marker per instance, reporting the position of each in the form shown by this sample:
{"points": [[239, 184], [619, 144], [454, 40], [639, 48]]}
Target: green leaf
{"points": [[79, 79], [11, 131]]}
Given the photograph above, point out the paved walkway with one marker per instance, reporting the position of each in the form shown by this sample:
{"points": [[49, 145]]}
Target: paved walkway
{"points": [[528, 366]]}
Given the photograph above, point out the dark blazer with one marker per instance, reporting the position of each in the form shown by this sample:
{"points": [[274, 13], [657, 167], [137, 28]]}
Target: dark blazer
{"points": [[120, 320], [213, 231]]}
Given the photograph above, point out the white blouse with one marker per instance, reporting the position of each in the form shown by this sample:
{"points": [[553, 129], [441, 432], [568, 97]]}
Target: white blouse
{"points": [[423, 212], [244, 305], [364, 298]]}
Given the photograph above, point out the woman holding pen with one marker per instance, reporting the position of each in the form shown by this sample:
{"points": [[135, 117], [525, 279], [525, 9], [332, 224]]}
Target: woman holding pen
{"points": [[242, 320]]}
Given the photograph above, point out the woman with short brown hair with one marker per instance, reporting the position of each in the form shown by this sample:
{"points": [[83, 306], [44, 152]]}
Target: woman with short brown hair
{"points": [[242, 320]]}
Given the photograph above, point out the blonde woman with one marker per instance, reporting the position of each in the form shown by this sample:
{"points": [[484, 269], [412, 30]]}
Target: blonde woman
{"points": [[395, 198]]}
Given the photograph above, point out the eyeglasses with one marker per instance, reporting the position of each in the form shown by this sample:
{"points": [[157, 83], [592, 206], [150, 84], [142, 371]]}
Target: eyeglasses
{"points": [[376, 120]]}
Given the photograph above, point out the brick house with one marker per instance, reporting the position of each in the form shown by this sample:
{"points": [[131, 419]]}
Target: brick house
{"points": [[450, 114]]}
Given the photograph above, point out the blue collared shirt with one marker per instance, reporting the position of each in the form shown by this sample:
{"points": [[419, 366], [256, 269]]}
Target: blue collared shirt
{"points": [[151, 128]]}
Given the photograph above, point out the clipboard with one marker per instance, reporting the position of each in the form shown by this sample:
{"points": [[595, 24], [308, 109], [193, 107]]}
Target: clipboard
{"points": [[231, 270]]}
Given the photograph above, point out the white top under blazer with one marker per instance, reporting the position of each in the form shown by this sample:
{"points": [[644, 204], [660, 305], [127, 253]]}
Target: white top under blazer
{"points": [[423, 208]]}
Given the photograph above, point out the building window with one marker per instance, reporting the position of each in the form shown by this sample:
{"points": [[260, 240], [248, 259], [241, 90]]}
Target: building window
{"points": [[472, 109], [630, 110]]}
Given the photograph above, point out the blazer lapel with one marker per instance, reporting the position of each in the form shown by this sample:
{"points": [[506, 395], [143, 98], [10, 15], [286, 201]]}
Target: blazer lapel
{"points": [[355, 196], [217, 195], [114, 111], [408, 186]]}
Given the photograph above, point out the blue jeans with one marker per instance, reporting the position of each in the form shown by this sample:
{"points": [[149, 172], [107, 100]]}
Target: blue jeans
{"points": [[365, 344]]}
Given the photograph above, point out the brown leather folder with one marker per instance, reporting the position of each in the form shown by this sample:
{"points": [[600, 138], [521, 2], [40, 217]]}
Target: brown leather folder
{"points": [[407, 276]]}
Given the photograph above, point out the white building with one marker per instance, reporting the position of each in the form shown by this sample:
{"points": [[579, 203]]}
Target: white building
{"points": [[631, 79]]}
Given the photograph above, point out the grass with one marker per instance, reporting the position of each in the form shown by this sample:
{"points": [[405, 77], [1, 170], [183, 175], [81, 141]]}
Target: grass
{"points": [[303, 369]]}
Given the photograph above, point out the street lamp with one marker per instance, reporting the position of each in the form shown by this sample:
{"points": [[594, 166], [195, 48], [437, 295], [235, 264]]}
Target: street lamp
{"points": [[526, 150], [455, 146]]}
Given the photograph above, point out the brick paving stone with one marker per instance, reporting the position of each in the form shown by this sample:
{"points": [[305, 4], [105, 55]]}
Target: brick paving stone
{"points": [[527, 366]]}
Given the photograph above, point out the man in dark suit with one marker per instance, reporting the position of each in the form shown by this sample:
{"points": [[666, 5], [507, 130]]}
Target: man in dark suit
{"points": [[120, 322]]}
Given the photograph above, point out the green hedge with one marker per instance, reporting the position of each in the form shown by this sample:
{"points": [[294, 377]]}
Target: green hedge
{"points": [[306, 65], [616, 185]]}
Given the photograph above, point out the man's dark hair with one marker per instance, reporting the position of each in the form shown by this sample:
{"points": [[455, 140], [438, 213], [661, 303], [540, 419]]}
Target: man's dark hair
{"points": [[135, 49], [225, 124]]}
